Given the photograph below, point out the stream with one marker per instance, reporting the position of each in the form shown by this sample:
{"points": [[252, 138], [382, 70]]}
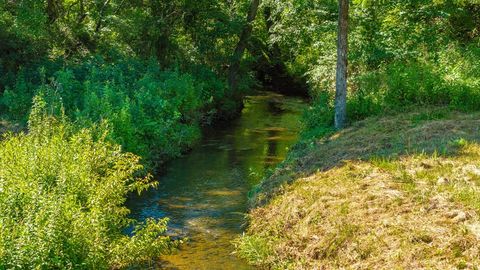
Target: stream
{"points": [[204, 193]]}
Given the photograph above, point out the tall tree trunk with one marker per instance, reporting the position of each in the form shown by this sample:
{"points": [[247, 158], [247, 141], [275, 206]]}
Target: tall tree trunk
{"points": [[341, 77], [241, 46]]}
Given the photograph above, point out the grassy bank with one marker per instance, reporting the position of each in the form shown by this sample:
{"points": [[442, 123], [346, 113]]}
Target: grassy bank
{"points": [[397, 192]]}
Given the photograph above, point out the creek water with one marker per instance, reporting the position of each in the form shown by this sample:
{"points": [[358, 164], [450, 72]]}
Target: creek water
{"points": [[204, 193]]}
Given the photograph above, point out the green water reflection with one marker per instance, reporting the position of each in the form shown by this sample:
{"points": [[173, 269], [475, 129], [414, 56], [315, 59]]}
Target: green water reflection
{"points": [[204, 193]]}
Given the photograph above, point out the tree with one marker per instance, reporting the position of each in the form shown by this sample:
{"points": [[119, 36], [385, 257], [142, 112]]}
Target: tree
{"points": [[341, 76], [241, 46]]}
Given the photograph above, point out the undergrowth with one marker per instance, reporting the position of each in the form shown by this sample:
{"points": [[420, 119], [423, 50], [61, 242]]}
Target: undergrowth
{"points": [[62, 195], [154, 113]]}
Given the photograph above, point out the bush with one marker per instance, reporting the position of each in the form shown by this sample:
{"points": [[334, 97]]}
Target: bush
{"points": [[62, 199], [151, 112], [18, 99], [318, 118]]}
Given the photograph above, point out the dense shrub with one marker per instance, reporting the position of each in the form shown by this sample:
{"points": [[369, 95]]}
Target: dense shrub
{"points": [[151, 112], [318, 119], [62, 195]]}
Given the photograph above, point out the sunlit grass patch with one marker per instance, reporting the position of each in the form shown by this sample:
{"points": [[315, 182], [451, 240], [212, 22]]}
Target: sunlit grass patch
{"points": [[385, 194], [254, 249]]}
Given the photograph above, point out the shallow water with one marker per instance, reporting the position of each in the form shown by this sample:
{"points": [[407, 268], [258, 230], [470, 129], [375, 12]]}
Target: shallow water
{"points": [[204, 193]]}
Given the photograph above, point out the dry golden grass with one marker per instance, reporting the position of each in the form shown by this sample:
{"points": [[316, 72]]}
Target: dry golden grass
{"points": [[389, 193]]}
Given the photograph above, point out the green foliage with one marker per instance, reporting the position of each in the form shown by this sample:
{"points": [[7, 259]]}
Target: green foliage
{"points": [[154, 113], [173, 32], [84, 65], [254, 249], [401, 53], [318, 119], [93, 55], [17, 101], [62, 199]]}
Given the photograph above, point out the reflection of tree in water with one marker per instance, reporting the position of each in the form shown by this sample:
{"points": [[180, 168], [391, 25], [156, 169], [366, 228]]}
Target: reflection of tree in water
{"points": [[232, 152], [272, 147], [274, 107]]}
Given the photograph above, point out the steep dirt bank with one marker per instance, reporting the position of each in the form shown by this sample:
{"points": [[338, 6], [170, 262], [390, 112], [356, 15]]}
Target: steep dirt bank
{"points": [[398, 192]]}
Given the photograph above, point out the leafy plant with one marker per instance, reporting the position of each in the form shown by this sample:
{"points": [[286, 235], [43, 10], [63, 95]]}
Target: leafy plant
{"points": [[62, 199]]}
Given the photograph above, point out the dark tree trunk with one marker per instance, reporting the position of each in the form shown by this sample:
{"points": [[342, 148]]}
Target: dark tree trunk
{"points": [[101, 14], [52, 10], [341, 76], [81, 14], [241, 46]]}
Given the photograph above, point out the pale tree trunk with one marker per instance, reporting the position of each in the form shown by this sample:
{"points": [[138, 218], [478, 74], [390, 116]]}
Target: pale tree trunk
{"points": [[341, 77], [241, 46]]}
